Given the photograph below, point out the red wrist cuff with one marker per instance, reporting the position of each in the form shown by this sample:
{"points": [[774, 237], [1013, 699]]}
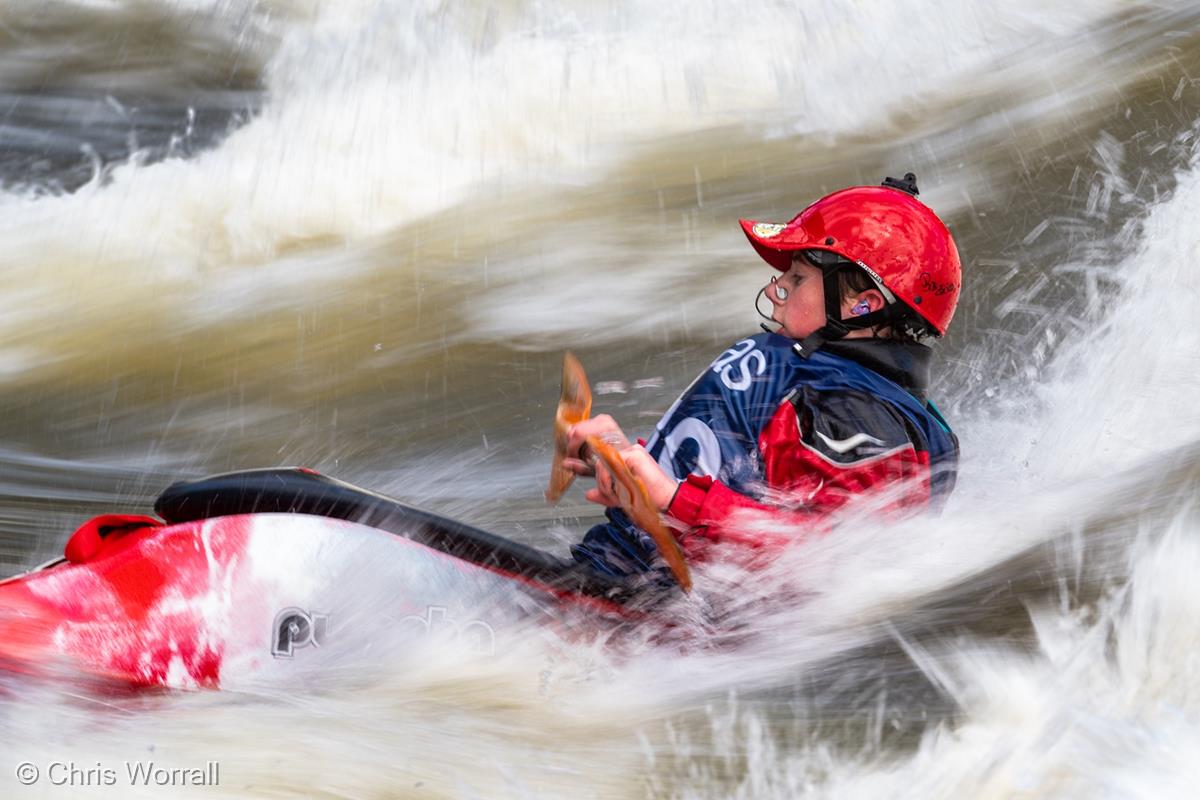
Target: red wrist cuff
{"points": [[689, 498]]}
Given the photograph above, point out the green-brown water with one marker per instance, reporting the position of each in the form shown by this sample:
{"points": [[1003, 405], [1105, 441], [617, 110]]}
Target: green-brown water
{"points": [[359, 236]]}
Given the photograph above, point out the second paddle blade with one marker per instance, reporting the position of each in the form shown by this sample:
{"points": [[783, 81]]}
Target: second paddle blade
{"points": [[635, 502], [574, 405]]}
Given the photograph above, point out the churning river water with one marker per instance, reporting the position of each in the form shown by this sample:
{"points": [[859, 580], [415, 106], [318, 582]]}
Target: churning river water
{"points": [[358, 235]]}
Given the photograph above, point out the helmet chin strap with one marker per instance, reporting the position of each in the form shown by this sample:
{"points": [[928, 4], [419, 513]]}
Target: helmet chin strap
{"points": [[835, 327]]}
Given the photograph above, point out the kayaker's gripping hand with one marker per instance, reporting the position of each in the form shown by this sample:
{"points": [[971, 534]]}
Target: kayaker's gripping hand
{"points": [[602, 426], [659, 485]]}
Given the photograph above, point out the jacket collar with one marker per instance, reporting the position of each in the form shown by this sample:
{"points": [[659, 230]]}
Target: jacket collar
{"points": [[906, 364]]}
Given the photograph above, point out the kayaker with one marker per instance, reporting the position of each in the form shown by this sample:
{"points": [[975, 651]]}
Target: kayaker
{"points": [[830, 405]]}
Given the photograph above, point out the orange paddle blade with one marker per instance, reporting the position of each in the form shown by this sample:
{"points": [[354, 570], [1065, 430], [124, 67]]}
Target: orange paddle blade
{"points": [[635, 502], [574, 405]]}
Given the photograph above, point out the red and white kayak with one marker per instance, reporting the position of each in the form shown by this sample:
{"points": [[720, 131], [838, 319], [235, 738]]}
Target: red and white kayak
{"points": [[260, 577]]}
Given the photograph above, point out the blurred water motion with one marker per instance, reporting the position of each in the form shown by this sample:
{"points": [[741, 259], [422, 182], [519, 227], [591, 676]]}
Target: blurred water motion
{"points": [[358, 235]]}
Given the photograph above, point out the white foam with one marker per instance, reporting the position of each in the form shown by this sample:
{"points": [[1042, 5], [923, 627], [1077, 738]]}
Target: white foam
{"points": [[381, 113]]}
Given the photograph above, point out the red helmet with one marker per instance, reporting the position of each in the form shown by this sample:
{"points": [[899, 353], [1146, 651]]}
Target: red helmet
{"points": [[884, 230]]}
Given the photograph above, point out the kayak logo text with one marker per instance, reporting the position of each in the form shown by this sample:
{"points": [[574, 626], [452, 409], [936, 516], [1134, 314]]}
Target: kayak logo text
{"points": [[295, 628], [478, 636]]}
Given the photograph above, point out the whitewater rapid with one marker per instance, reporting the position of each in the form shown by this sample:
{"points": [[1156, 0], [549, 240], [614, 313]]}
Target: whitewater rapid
{"points": [[358, 235]]}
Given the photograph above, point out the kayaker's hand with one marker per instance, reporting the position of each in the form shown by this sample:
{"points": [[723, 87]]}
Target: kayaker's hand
{"points": [[602, 426], [659, 485]]}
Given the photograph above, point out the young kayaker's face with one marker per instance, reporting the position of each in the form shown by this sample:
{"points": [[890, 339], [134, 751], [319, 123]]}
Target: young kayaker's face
{"points": [[798, 300]]}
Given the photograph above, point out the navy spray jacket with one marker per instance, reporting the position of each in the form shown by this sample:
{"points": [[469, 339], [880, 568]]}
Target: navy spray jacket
{"points": [[765, 428]]}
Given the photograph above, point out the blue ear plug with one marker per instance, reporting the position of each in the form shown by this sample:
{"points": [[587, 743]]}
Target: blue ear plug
{"points": [[860, 309]]}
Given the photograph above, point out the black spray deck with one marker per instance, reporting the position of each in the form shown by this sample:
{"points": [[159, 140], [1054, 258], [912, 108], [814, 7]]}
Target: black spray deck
{"points": [[301, 491]]}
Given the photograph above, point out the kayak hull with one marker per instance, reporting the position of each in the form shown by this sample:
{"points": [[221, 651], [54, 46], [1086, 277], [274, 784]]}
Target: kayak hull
{"points": [[274, 598]]}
